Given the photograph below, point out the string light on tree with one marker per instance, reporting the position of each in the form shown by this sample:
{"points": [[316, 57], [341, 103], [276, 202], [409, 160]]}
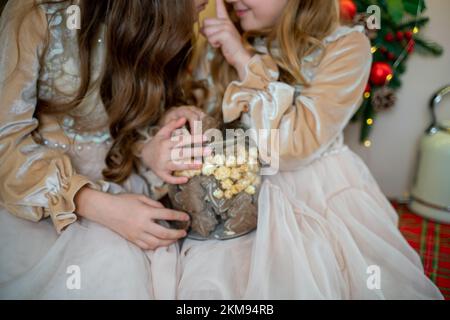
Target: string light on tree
{"points": [[398, 38], [367, 91]]}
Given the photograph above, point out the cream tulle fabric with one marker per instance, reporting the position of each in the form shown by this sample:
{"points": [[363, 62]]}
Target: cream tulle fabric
{"points": [[319, 231], [320, 226], [34, 259], [40, 180], [35, 262], [324, 225]]}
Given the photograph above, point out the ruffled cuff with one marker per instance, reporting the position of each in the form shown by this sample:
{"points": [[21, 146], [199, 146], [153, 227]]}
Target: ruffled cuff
{"points": [[61, 205], [260, 72]]}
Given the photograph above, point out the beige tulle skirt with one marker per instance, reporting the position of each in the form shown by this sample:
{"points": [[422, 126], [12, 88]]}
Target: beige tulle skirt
{"points": [[36, 263], [321, 231], [324, 232]]}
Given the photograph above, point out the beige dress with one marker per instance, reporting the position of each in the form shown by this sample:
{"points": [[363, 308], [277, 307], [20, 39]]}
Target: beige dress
{"points": [[325, 230], [42, 241]]}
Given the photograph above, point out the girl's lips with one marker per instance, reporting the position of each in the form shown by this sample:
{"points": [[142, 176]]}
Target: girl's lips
{"points": [[241, 13]]}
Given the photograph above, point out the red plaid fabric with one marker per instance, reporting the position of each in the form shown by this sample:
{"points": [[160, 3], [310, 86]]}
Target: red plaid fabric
{"points": [[432, 242]]}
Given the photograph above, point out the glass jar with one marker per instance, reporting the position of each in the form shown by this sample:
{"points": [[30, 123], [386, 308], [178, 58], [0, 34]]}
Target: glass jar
{"points": [[222, 197]]}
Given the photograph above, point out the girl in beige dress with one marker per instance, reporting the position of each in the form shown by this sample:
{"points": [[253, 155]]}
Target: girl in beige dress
{"points": [[325, 230], [80, 171]]}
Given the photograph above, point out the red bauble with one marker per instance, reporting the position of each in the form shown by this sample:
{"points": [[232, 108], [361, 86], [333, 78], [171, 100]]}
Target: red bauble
{"points": [[380, 73], [389, 37], [400, 36], [348, 9]]}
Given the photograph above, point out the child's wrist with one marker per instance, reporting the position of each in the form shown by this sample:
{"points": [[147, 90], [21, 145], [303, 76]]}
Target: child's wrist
{"points": [[241, 64], [87, 203]]}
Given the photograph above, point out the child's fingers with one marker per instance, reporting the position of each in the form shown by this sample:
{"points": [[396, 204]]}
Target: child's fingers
{"points": [[183, 165], [216, 39], [163, 233], [151, 202], [142, 244], [188, 153], [195, 125], [210, 31], [210, 22], [174, 180], [221, 10], [176, 113], [191, 115], [194, 109], [188, 140], [169, 128], [179, 133], [170, 215], [199, 112]]}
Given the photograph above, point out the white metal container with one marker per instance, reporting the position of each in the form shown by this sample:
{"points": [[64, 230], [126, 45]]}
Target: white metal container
{"points": [[431, 192]]}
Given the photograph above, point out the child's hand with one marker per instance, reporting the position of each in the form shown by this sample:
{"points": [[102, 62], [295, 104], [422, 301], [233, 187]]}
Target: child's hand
{"points": [[165, 153], [134, 217], [221, 33], [191, 113]]}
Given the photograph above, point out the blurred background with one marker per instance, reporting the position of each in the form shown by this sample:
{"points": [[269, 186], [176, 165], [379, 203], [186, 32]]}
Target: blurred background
{"points": [[393, 155]]}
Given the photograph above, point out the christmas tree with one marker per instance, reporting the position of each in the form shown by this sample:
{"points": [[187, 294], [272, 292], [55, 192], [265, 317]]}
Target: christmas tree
{"points": [[393, 27]]}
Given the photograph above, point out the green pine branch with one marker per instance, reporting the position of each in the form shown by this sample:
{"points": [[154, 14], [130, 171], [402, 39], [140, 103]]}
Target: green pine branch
{"points": [[396, 15], [420, 22], [428, 47]]}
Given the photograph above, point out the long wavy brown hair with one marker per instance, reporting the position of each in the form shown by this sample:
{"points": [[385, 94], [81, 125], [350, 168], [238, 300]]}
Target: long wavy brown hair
{"points": [[300, 30], [148, 48]]}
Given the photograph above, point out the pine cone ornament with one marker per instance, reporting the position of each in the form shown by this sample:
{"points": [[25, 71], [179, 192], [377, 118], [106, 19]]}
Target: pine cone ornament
{"points": [[383, 99]]}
